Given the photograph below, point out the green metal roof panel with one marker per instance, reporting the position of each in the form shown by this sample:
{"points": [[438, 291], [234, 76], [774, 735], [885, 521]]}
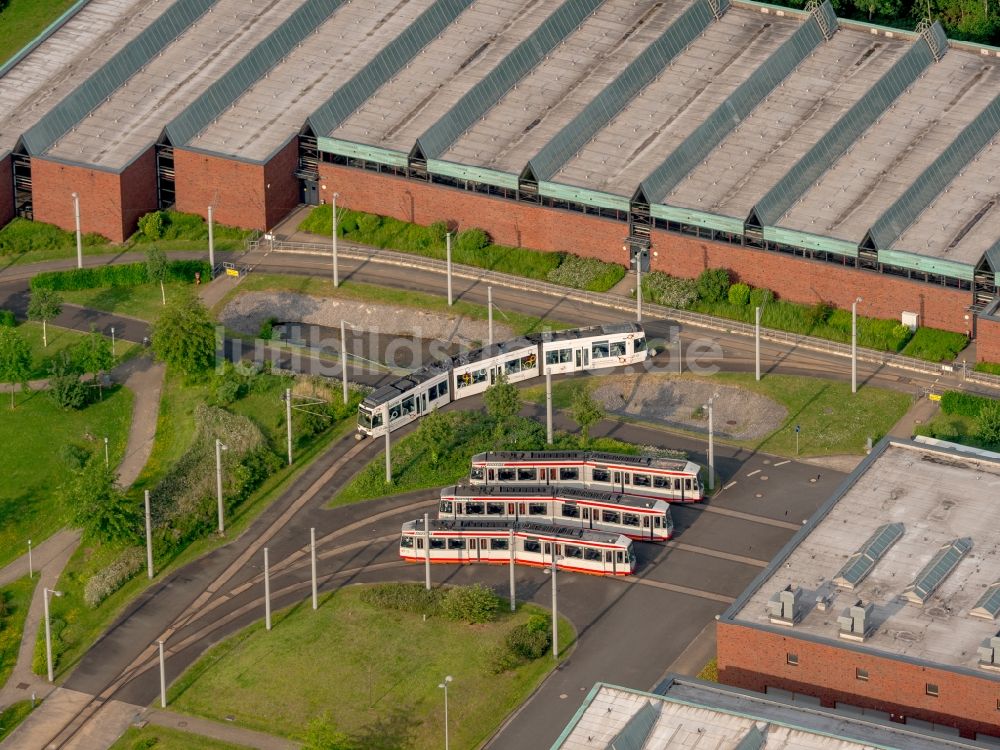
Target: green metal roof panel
{"points": [[573, 194], [925, 263], [476, 174], [617, 94], [490, 89], [848, 129], [754, 739], [697, 218], [637, 729], [361, 151], [390, 60], [115, 72], [710, 133], [796, 238], [993, 258], [934, 572], [249, 69], [918, 196]]}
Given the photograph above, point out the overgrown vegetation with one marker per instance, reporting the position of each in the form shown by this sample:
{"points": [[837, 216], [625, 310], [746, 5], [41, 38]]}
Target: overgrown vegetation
{"points": [[989, 367], [935, 345], [590, 274], [123, 275], [15, 598], [162, 738], [22, 236], [966, 418], [13, 715]]}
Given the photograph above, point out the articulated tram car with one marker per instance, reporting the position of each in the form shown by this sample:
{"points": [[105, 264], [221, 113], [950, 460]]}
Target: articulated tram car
{"points": [[579, 550], [637, 518], [672, 479], [408, 398]]}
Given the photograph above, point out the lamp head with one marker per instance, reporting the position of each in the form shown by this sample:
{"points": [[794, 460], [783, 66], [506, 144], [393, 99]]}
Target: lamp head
{"points": [[859, 300], [448, 678]]}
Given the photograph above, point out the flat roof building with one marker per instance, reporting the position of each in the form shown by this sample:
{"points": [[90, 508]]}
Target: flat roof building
{"points": [[888, 597]]}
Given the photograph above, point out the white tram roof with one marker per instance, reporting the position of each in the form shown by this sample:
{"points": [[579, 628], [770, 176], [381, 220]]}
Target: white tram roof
{"points": [[572, 494], [573, 334], [404, 384], [493, 350], [563, 533], [623, 459]]}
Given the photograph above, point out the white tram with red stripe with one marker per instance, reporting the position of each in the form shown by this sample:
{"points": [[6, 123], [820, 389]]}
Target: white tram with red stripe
{"points": [[672, 479], [496, 542], [637, 518]]}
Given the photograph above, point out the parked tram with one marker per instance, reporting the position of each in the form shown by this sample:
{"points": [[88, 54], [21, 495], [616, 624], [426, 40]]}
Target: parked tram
{"points": [[634, 517], [413, 395], [576, 549], [672, 479]]}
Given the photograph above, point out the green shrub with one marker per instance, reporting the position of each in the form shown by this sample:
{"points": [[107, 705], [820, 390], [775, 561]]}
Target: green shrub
{"points": [[74, 456], [713, 284], [739, 294], [108, 580], [963, 404], [22, 236], [988, 429], [935, 345], [174, 225], [125, 275], [586, 273], [989, 367], [663, 289], [267, 328], [439, 229], [524, 642], [472, 241], [368, 223], [472, 604], [760, 297], [7, 319], [404, 597], [818, 314], [151, 225]]}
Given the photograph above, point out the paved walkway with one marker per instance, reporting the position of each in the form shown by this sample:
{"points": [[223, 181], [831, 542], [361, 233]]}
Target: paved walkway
{"points": [[219, 731], [144, 378], [922, 411]]}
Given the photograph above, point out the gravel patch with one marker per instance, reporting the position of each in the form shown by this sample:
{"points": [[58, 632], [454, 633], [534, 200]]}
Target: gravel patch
{"points": [[738, 413], [246, 312]]}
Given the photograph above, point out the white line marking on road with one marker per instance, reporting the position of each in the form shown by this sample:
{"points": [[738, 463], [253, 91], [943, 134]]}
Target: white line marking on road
{"points": [[755, 471], [782, 463], [729, 485]]}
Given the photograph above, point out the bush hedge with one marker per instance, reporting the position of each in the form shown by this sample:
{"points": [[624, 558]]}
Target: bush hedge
{"points": [[125, 275], [22, 236], [963, 404], [988, 367], [935, 345], [590, 274]]}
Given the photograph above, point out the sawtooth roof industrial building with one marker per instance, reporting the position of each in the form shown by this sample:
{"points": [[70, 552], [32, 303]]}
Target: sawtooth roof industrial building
{"points": [[822, 158], [887, 600]]}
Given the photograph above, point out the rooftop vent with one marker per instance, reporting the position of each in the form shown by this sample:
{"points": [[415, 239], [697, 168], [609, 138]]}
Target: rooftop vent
{"points": [[783, 607], [857, 621], [861, 563], [989, 651], [988, 605], [940, 567]]}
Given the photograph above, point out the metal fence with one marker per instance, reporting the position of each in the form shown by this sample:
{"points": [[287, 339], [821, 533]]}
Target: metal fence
{"points": [[700, 320]]}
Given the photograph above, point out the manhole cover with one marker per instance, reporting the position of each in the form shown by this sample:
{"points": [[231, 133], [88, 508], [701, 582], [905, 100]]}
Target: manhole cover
{"points": [[182, 723], [758, 495], [230, 718], [22, 686], [764, 478], [812, 481], [767, 460], [563, 696]]}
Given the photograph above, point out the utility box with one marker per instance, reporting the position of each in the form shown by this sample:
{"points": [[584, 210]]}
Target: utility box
{"points": [[911, 320]]}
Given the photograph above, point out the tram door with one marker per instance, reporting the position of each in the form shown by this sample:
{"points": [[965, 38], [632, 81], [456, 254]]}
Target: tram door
{"points": [[587, 520], [583, 357]]}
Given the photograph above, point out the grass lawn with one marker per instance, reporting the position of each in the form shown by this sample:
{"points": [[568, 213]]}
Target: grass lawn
{"points": [[23, 20], [833, 421], [34, 435], [60, 339], [955, 428], [374, 671], [321, 287], [13, 715], [15, 598], [143, 302], [163, 738]]}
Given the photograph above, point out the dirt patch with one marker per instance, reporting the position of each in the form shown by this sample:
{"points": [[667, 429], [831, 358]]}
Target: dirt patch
{"points": [[738, 413], [247, 311]]}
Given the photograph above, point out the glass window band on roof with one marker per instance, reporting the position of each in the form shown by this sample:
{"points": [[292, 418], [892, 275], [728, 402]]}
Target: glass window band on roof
{"points": [[794, 238], [389, 61], [115, 72], [862, 562], [828, 149], [927, 264], [940, 567], [491, 88], [988, 606], [574, 194], [736, 107], [354, 150], [268, 53], [475, 174], [617, 94]]}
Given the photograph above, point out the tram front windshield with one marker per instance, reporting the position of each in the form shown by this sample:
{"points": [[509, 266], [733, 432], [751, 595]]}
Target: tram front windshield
{"points": [[368, 420]]}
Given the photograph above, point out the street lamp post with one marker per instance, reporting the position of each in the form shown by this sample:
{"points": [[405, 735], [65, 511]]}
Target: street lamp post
{"points": [[513, 591], [163, 676], [31, 572], [333, 214], [555, 608], [447, 243], [427, 552], [288, 422], [113, 346], [711, 445], [79, 234], [219, 447], [267, 592], [48, 628], [854, 345], [489, 311], [388, 456], [756, 345], [107, 457], [444, 686], [312, 550], [548, 407], [211, 245], [343, 357], [149, 538]]}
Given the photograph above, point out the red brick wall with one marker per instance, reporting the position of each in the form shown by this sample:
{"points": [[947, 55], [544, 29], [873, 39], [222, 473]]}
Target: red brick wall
{"points": [[100, 198], [508, 222], [988, 340], [755, 659], [253, 196], [138, 186], [6, 191]]}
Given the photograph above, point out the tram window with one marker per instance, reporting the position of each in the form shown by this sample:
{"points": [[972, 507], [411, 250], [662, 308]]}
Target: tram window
{"points": [[406, 542], [407, 404], [420, 542], [631, 555], [499, 544], [532, 545], [558, 356], [476, 473], [626, 477], [687, 484], [657, 522], [473, 508], [618, 477], [437, 391], [662, 483], [611, 516], [619, 556], [645, 522], [630, 519], [600, 350], [638, 344], [526, 475], [608, 556], [571, 550], [600, 475], [617, 348], [377, 420], [640, 480], [589, 553], [456, 544], [437, 543], [569, 474], [394, 413], [491, 474], [494, 509], [512, 366], [677, 483], [506, 475], [479, 376], [529, 362], [586, 513], [547, 548], [445, 506], [570, 511], [538, 509]]}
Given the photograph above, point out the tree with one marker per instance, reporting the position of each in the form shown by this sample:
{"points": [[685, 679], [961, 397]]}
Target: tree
{"points": [[503, 404], [156, 269], [322, 734], [65, 387], [43, 305], [100, 507], [989, 423], [93, 354], [15, 359], [437, 433], [586, 412], [184, 335]]}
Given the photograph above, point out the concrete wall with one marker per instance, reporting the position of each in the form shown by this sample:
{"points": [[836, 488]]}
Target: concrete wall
{"points": [[754, 659], [110, 204], [6, 191]]}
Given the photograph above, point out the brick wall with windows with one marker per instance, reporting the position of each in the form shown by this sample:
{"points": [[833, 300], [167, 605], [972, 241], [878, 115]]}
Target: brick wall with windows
{"points": [[756, 659], [6, 191]]}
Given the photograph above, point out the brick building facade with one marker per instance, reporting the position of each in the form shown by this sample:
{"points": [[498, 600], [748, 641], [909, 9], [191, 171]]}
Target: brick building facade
{"points": [[6, 191]]}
